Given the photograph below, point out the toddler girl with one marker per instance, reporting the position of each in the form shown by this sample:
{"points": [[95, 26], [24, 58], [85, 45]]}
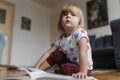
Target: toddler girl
{"points": [[71, 50]]}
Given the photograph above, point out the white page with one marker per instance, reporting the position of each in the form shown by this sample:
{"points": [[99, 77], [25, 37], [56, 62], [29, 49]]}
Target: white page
{"points": [[36, 73]]}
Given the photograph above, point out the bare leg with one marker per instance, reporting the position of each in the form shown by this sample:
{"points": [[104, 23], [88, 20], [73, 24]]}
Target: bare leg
{"points": [[45, 66]]}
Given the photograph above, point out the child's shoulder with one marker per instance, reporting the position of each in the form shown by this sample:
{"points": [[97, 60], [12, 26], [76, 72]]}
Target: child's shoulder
{"points": [[60, 36], [80, 30]]}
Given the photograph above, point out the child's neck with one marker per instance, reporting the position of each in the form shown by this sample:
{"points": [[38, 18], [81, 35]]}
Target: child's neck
{"points": [[68, 33]]}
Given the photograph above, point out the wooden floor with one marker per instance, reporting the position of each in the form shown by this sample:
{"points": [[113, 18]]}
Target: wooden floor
{"points": [[99, 74], [106, 74]]}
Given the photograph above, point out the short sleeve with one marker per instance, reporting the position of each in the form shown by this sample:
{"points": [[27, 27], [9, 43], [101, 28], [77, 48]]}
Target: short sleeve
{"points": [[80, 33], [57, 41]]}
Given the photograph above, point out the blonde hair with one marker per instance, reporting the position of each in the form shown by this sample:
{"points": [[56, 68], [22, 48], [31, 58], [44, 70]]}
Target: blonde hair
{"points": [[72, 8]]}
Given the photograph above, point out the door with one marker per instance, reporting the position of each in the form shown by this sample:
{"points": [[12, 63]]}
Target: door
{"points": [[6, 27]]}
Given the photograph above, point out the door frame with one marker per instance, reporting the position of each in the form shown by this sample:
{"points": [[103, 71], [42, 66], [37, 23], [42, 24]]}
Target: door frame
{"points": [[7, 29]]}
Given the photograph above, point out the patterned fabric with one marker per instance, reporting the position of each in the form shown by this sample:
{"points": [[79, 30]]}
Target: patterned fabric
{"points": [[58, 58], [66, 67], [70, 68], [69, 46]]}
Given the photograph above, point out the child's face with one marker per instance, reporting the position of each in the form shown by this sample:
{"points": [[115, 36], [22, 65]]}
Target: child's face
{"points": [[70, 21]]}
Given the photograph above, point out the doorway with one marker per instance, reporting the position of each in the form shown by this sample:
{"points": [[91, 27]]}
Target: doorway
{"points": [[6, 28]]}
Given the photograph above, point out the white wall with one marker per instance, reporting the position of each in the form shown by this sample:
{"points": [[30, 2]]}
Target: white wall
{"points": [[27, 46], [113, 13]]}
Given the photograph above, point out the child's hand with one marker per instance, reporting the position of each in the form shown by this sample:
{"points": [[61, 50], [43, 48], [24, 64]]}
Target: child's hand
{"points": [[80, 75]]}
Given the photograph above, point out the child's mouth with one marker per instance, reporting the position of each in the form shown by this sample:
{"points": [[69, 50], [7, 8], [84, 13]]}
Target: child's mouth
{"points": [[68, 21]]}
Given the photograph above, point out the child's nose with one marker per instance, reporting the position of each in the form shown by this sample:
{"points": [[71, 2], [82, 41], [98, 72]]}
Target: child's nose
{"points": [[68, 15]]}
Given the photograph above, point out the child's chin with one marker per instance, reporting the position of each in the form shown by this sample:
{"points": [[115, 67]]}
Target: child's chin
{"points": [[69, 25]]}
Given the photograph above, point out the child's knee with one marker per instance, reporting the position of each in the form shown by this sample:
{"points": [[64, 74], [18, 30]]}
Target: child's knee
{"points": [[67, 69]]}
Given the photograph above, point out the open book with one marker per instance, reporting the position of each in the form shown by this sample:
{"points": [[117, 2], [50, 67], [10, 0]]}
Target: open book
{"points": [[36, 74]]}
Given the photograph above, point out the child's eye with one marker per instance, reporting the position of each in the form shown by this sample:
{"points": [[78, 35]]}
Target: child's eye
{"points": [[65, 14], [73, 14]]}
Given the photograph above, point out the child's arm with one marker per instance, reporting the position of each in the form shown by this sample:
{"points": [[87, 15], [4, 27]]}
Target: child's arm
{"points": [[45, 56], [82, 45]]}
